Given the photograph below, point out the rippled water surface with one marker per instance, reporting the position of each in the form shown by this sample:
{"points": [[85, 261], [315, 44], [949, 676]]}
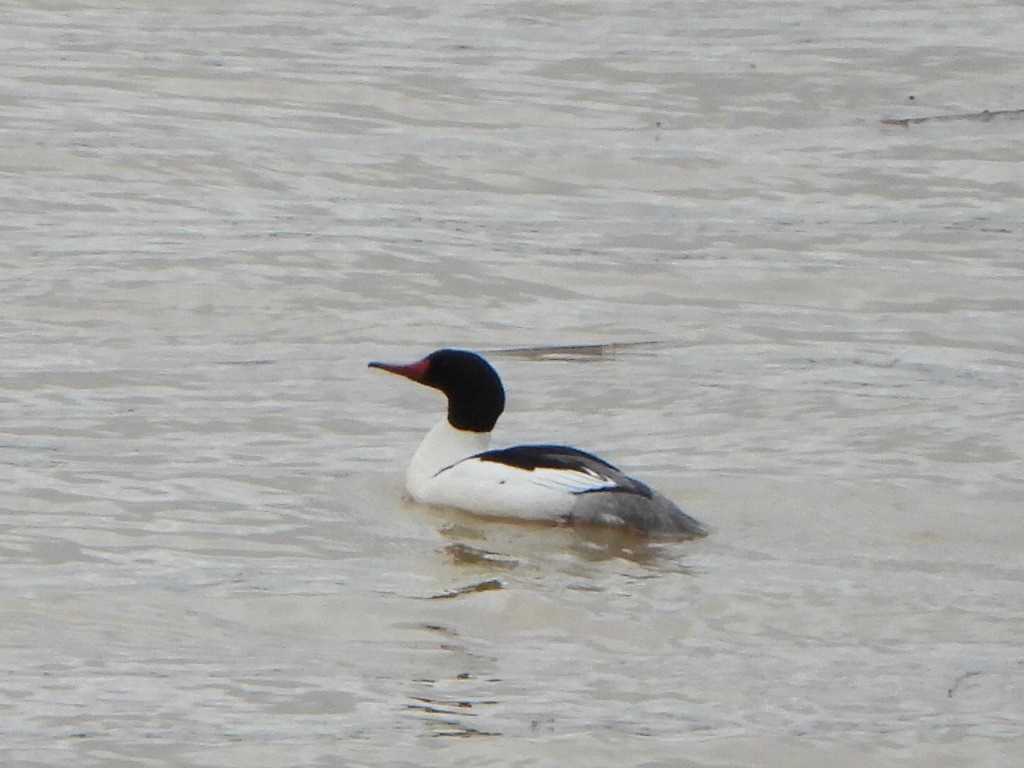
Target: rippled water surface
{"points": [[799, 321]]}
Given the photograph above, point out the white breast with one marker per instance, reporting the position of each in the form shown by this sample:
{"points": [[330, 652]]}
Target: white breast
{"points": [[443, 446]]}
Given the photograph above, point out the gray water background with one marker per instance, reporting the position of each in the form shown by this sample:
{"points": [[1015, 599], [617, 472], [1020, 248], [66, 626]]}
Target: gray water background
{"points": [[805, 325]]}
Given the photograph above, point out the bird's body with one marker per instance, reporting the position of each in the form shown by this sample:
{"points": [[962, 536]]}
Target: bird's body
{"points": [[453, 466]]}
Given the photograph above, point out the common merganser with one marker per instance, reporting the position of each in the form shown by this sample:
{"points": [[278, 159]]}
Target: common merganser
{"points": [[453, 467]]}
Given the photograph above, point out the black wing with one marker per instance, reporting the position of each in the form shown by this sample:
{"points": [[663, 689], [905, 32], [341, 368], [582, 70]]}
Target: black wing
{"points": [[561, 457]]}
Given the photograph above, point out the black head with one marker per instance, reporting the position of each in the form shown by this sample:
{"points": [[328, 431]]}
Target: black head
{"points": [[475, 395]]}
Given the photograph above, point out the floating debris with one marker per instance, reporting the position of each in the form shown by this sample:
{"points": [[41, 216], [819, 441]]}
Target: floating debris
{"points": [[463, 554], [440, 707], [956, 683], [985, 115]]}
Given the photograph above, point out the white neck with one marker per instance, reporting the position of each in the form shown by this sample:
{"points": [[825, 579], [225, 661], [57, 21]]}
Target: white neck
{"points": [[443, 446]]}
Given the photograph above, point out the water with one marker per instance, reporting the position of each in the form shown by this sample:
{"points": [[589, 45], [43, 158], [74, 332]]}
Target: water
{"points": [[215, 216]]}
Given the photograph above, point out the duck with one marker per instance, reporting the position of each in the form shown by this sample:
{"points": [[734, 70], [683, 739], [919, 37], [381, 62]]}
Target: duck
{"points": [[455, 467]]}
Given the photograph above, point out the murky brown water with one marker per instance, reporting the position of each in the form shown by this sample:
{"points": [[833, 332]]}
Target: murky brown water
{"points": [[214, 216]]}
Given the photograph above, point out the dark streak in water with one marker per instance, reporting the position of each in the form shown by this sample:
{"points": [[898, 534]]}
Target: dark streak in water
{"points": [[487, 585], [581, 352]]}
